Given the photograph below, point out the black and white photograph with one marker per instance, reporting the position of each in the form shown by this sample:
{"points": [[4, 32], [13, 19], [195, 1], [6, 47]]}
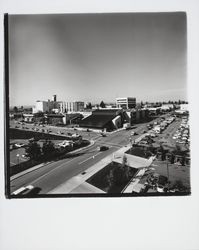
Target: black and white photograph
{"points": [[98, 105], [99, 125]]}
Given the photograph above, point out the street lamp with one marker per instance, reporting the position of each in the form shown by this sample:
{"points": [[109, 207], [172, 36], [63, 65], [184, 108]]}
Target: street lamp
{"points": [[168, 172], [17, 158]]}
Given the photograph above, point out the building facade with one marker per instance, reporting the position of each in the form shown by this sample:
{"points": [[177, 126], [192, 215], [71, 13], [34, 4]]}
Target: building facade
{"points": [[71, 106], [126, 102]]}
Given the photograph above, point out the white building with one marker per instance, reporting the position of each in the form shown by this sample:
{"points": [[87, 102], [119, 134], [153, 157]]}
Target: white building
{"points": [[45, 106], [41, 106], [184, 107], [126, 102], [71, 106]]}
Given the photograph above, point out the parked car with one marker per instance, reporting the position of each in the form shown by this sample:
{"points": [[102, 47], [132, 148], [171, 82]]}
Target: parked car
{"points": [[22, 190], [19, 145], [25, 156]]}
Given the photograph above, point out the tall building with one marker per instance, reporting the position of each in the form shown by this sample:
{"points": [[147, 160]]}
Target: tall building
{"points": [[126, 102]]}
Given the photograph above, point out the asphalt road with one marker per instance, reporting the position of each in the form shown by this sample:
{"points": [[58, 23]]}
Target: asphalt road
{"points": [[50, 176], [55, 173]]}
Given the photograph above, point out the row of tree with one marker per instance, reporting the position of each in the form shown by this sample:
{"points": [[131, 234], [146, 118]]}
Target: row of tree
{"points": [[101, 105], [35, 152]]}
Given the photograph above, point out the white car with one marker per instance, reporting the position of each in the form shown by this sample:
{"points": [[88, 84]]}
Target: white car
{"points": [[23, 190], [160, 189], [19, 145]]}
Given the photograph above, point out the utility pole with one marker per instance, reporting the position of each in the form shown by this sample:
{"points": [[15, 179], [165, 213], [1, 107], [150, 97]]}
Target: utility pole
{"points": [[168, 172]]}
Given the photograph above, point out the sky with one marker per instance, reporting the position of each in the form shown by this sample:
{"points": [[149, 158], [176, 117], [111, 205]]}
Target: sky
{"points": [[95, 57]]}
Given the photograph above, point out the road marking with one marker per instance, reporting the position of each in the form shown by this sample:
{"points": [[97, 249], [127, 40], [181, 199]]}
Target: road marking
{"points": [[51, 171], [113, 144], [89, 158]]}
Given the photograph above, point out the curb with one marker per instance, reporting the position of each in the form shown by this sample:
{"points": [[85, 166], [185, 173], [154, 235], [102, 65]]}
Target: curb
{"points": [[28, 171], [45, 164]]}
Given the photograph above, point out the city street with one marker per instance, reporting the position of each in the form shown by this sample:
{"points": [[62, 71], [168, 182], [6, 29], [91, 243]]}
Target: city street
{"points": [[55, 173]]}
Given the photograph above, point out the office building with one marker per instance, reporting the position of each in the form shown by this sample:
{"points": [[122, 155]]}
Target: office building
{"points": [[126, 102], [71, 106]]}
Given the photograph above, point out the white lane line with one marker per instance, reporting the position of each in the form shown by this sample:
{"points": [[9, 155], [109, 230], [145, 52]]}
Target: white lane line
{"points": [[92, 157], [51, 171]]}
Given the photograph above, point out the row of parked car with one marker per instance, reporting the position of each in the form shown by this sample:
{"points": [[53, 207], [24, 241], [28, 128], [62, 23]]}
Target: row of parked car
{"points": [[182, 133]]}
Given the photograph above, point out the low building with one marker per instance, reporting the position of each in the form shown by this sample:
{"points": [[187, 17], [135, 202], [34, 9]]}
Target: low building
{"points": [[167, 107], [104, 119], [74, 118], [154, 110], [54, 119], [137, 115], [29, 117]]}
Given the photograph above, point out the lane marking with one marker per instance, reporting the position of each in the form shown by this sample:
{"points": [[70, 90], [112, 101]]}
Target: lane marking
{"points": [[51, 171], [92, 157]]}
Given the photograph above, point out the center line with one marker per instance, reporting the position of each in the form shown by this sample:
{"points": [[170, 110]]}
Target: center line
{"points": [[89, 158]]}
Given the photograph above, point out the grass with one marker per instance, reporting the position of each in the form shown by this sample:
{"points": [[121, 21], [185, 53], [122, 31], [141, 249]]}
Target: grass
{"points": [[113, 178]]}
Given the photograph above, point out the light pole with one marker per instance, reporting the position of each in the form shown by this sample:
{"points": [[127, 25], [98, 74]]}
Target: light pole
{"points": [[168, 173], [17, 158]]}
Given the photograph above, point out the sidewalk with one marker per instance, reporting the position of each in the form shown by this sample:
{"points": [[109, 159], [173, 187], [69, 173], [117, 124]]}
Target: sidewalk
{"points": [[45, 164], [78, 184], [74, 183]]}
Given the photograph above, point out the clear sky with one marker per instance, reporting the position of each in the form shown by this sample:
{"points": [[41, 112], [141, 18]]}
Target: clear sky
{"points": [[94, 57]]}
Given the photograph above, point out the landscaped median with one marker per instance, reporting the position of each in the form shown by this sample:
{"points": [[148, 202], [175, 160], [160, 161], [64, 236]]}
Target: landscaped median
{"points": [[110, 175]]}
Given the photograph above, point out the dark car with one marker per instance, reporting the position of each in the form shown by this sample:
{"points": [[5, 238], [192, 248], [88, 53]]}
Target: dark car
{"points": [[103, 148]]}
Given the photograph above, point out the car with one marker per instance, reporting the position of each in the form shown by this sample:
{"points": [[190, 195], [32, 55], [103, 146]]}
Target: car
{"points": [[160, 189], [25, 156], [134, 133], [103, 148], [19, 145], [23, 190]]}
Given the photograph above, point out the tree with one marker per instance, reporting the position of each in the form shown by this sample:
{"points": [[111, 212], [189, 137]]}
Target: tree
{"points": [[33, 150], [15, 109], [48, 149], [124, 161], [102, 104]]}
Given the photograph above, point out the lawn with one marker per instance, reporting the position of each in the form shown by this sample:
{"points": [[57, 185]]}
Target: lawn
{"points": [[113, 178]]}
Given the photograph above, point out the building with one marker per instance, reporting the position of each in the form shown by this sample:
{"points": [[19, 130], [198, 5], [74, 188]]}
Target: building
{"points": [[73, 118], [29, 118], [46, 106], [167, 107], [42, 106], [54, 119], [137, 115], [126, 102], [71, 106], [184, 107], [104, 119]]}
